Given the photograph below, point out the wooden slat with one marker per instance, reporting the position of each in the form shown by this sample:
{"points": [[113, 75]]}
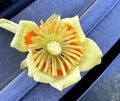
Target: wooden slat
{"points": [[96, 14], [11, 93], [107, 86]]}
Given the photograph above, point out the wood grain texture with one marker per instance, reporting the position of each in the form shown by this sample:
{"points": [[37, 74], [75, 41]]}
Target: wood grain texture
{"points": [[107, 86]]}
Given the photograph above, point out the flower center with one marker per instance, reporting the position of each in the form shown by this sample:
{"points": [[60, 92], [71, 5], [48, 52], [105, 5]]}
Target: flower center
{"points": [[54, 48]]}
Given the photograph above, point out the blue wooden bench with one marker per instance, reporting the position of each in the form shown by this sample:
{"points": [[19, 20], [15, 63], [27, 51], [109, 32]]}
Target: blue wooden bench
{"points": [[100, 21]]}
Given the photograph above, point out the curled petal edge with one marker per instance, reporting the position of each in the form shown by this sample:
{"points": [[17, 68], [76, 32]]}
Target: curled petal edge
{"points": [[54, 17], [92, 55], [62, 83]]}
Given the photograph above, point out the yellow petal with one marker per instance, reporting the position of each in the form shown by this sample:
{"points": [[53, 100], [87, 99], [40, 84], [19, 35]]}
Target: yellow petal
{"points": [[91, 56], [74, 21], [23, 64], [71, 78], [18, 41], [35, 73], [54, 17], [8, 25]]}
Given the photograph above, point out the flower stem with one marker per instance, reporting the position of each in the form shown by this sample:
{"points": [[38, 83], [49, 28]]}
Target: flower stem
{"points": [[8, 25]]}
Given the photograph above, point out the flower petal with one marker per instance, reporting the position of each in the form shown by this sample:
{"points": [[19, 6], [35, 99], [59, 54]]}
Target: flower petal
{"points": [[91, 56], [74, 21], [71, 78], [23, 64], [35, 73], [18, 41], [54, 17]]}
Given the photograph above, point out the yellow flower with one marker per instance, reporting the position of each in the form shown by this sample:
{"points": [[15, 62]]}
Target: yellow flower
{"points": [[58, 49]]}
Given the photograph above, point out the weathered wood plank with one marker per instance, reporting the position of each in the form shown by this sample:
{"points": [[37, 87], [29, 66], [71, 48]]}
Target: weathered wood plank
{"points": [[107, 86]]}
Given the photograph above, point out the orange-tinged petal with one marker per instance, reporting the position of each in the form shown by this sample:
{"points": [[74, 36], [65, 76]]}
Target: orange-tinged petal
{"points": [[18, 41], [28, 37], [35, 73], [71, 78], [74, 22]]}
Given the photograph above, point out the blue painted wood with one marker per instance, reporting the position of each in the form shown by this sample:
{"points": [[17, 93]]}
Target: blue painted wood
{"points": [[107, 86], [42, 9], [96, 13], [11, 93], [40, 91], [10, 59], [39, 9], [14, 7]]}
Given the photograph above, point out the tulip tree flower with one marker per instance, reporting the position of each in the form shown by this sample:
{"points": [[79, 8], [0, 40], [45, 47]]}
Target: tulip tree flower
{"points": [[58, 50]]}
